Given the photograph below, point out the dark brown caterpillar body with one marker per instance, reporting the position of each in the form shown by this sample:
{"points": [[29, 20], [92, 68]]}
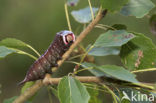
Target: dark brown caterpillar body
{"points": [[43, 65]]}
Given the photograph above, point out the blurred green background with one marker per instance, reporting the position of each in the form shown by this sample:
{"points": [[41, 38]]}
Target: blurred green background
{"points": [[36, 22]]}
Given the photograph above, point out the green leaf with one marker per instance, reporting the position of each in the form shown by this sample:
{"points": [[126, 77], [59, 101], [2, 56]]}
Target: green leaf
{"points": [[16, 44], [113, 71], [10, 100], [84, 15], [109, 43], [103, 51], [139, 53], [12, 43], [138, 8], [4, 51], [71, 90], [153, 24], [113, 5], [113, 38], [118, 72], [93, 69], [72, 2]]}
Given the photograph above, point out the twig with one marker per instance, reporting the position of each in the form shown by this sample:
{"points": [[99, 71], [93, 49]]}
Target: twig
{"points": [[83, 79], [100, 80], [32, 90]]}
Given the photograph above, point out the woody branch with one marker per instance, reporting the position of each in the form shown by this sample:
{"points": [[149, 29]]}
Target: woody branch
{"points": [[83, 79]]}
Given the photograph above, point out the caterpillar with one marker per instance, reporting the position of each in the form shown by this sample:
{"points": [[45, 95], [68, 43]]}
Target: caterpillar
{"points": [[43, 65]]}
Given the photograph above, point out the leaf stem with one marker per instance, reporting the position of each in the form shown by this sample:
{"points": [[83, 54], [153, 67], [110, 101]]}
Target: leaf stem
{"points": [[77, 56], [144, 70], [86, 53], [83, 70], [92, 87], [82, 59], [73, 62], [115, 97], [34, 50], [25, 53], [100, 27], [106, 26], [49, 94], [67, 16], [91, 10]]}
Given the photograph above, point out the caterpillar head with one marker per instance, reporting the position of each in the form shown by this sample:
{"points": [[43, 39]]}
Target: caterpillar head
{"points": [[67, 36]]}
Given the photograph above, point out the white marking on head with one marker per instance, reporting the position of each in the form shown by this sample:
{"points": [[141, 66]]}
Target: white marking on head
{"points": [[64, 35]]}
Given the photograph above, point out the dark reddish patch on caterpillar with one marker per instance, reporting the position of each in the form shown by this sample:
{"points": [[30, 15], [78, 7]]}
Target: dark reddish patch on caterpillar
{"points": [[43, 65]]}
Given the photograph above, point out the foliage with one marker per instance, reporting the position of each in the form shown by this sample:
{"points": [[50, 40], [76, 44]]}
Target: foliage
{"points": [[109, 43], [137, 53], [5, 51], [113, 5], [112, 71], [74, 91], [138, 8], [81, 18]]}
